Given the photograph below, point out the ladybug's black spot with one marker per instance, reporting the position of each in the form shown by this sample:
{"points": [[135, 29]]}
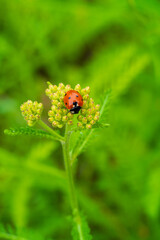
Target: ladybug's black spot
{"points": [[69, 98], [66, 103], [65, 94], [76, 95]]}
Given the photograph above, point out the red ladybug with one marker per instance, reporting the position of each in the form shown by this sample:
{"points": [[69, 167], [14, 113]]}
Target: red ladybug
{"points": [[73, 101]]}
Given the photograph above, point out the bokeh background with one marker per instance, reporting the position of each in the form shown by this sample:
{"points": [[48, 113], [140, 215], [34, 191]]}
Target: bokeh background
{"points": [[106, 44]]}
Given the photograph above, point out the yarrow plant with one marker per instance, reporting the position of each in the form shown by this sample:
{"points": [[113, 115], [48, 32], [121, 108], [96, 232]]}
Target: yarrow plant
{"points": [[87, 119]]}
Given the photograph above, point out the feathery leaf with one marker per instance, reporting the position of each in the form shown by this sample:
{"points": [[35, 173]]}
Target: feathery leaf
{"points": [[28, 131], [84, 136], [82, 232]]}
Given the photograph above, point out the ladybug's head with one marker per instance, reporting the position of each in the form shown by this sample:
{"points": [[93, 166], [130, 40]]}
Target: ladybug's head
{"points": [[76, 108]]}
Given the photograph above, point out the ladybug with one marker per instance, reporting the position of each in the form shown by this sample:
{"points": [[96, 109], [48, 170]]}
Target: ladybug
{"points": [[73, 101]]}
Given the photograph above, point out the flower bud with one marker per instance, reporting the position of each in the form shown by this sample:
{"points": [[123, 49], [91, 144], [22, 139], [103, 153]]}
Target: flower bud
{"points": [[78, 87], [48, 92], [50, 113], [70, 122], [70, 115], [64, 119], [97, 107], [60, 104], [79, 117], [79, 124], [84, 120], [60, 125], [86, 97], [30, 123], [96, 118], [31, 111], [83, 112], [61, 86], [54, 102], [54, 108], [50, 119], [67, 88], [53, 88], [89, 117], [58, 117], [88, 126], [92, 122], [87, 90], [54, 124]]}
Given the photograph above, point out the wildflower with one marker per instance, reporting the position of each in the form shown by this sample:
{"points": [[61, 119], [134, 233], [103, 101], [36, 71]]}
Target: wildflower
{"points": [[31, 111], [59, 115]]}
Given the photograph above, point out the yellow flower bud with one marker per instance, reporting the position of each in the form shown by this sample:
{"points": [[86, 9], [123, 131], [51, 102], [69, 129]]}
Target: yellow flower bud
{"points": [[31, 111], [58, 117], [78, 87], [80, 125], [80, 117], [92, 122], [84, 120], [88, 126], [54, 124], [70, 122], [89, 117], [64, 119]]}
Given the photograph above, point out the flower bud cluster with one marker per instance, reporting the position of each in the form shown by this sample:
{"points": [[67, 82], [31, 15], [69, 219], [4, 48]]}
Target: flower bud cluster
{"points": [[89, 114], [59, 114], [31, 111]]}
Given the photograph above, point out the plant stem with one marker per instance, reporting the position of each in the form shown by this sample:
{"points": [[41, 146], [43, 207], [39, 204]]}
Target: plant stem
{"points": [[51, 131], [71, 187]]}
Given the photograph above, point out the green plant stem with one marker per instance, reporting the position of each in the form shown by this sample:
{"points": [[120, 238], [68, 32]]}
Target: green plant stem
{"points": [[71, 187], [51, 131]]}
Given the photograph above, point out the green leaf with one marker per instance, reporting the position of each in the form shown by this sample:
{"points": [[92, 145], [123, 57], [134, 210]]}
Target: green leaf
{"points": [[83, 231], [85, 136], [101, 125], [28, 131]]}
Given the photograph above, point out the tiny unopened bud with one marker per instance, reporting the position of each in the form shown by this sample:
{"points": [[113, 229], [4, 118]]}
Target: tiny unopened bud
{"points": [[30, 123], [60, 104], [80, 117], [70, 115], [86, 97], [96, 118], [79, 124], [58, 117], [89, 117], [67, 88], [61, 86], [78, 87], [60, 125], [64, 110], [54, 124], [53, 88], [70, 122], [97, 113], [88, 126], [97, 107], [54, 108], [50, 113], [92, 122], [87, 90], [83, 111], [50, 119], [84, 120], [54, 102], [48, 92], [64, 119]]}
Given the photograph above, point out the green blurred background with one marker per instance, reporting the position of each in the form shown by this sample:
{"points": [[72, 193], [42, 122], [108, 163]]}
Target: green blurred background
{"points": [[106, 44]]}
